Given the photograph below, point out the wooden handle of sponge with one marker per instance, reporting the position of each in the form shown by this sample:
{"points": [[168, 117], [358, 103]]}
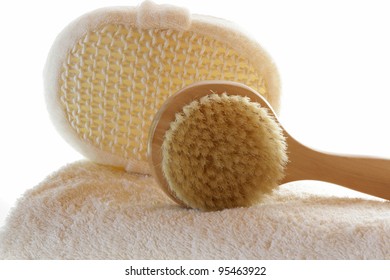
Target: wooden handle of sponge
{"points": [[363, 174]]}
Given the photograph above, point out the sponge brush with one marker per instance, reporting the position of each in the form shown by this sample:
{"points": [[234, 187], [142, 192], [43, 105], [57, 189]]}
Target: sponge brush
{"points": [[223, 151]]}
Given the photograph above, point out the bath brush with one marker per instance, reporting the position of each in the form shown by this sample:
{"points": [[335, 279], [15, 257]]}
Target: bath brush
{"points": [[110, 70], [219, 144]]}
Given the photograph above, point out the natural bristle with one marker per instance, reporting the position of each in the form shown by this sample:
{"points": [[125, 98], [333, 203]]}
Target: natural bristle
{"points": [[223, 151]]}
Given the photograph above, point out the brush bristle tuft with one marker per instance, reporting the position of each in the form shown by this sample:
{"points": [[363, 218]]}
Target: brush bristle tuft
{"points": [[223, 151]]}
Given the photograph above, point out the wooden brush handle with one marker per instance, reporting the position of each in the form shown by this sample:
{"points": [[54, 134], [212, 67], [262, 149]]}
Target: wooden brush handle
{"points": [[363, 174]]}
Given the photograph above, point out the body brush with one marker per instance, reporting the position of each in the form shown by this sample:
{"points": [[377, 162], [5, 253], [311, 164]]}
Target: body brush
{"points": [[218, 144]]}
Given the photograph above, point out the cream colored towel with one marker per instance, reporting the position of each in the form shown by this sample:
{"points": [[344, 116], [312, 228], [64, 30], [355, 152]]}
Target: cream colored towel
{"points": [[89, 211]]}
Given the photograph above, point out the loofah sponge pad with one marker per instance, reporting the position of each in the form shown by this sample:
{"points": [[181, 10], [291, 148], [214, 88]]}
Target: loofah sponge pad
{"points": [[223, 151], [116, 78], [110, 71]]}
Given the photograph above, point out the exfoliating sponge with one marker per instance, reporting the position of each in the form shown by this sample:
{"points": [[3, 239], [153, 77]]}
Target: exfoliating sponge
{"points": [[110, 70]]}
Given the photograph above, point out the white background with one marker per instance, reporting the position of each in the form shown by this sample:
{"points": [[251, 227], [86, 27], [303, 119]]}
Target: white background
{"points": [[333, 57], [275, 269]]}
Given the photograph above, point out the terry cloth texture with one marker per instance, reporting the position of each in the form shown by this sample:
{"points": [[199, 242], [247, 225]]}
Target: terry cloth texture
{"points": [[90, 211]]}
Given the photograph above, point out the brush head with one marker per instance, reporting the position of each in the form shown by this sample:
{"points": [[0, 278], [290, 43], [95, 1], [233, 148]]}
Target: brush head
{"points": [[222, 151]]}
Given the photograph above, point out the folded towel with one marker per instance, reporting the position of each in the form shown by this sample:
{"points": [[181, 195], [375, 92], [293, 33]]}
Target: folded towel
{"points": [[90, 211]]}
